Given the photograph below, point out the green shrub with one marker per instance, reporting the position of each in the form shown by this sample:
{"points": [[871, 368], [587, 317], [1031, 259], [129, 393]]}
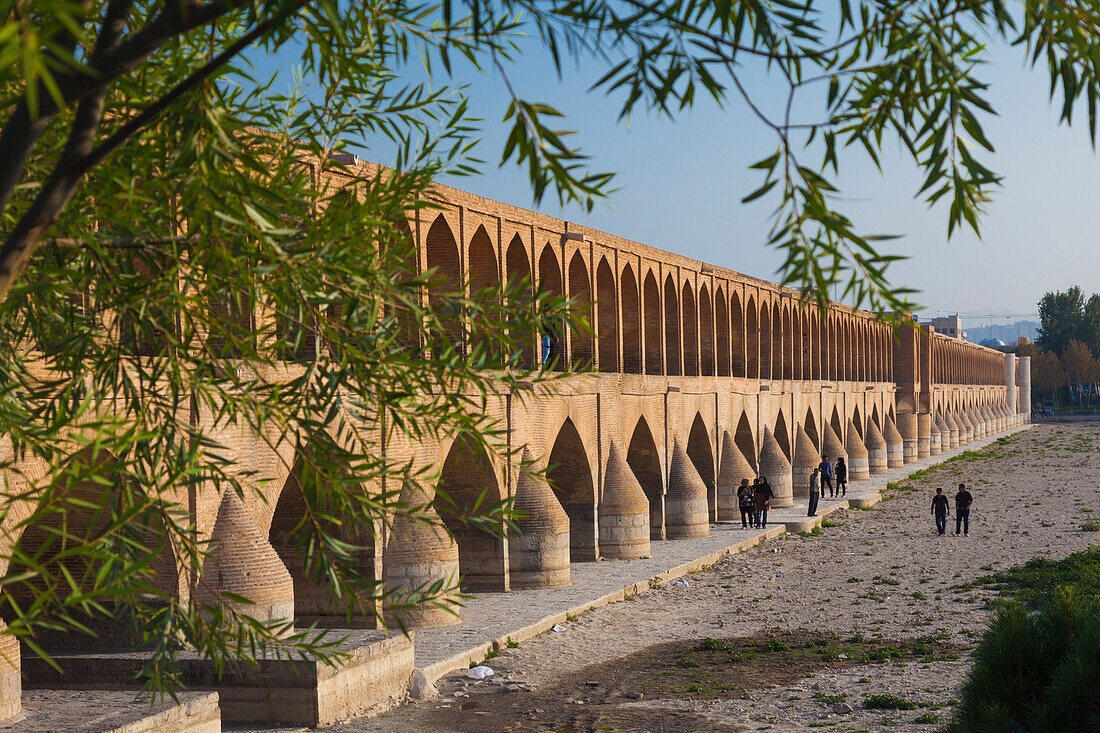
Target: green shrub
{"points": [[886, 701], [1038, 665]]}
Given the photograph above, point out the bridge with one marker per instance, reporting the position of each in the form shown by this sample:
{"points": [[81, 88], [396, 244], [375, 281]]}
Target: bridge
{"points": [[702, 376]]}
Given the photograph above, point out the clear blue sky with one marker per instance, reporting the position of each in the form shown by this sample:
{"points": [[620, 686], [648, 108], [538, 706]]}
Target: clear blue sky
{"points": [[681, 184]]}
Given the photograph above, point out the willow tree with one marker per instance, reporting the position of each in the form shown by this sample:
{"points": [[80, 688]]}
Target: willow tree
{"points": [[155, 191]]}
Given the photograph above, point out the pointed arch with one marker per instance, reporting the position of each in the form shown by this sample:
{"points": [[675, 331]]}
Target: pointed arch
{"points": [[807, 345], [837, 424], [691, 332], [857, 421], [443, 264], [796, 343], [631, 312], [779, 337], [484, 276], [744, 440], [291, 531], [468, 481], [482, 263], [607, 318], [737, 335], [765, 340], [752, 341], [550, 282], [672, 328], [645, 462], [875, 417], [788, 344], [783, 435], [87, 493], [810, 426], [518, 268], [722, 332], [700, 450], [582, 347], [706, 334], [570, 476], [654, 363]]}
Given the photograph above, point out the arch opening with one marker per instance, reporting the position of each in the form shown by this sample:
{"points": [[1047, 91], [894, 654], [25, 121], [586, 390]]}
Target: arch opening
{"points": [[691, 333], [467, 481], [570, 477], [645, 462], [87, 495], [745, 442], [782, 435], [706, 335], [291, 531], [582, 348], [653, 342], [550, 282], [810, 426], [631, 324], [607, 318], [442, 260], [672, 329], [722, 333], [519, 287], [700, 452]]}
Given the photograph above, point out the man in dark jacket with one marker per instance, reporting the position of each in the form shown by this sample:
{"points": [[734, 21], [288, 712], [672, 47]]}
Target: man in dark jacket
{"points": [[826, 469], [963, 500], [940, 508]]}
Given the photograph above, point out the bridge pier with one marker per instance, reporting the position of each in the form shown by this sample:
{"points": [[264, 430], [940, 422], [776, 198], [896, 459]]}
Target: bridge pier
{"points": [[877, 456], [538, 549], [686, 512], [858, 465], [624, 511], [417, 556]]}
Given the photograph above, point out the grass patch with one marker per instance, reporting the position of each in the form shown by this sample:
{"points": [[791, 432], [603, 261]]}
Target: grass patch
{"points": [[886, 701]]}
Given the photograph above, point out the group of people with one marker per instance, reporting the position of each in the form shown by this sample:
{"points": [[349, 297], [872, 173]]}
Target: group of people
{"points": [[823, 476], [754, 501], [941, 507]]}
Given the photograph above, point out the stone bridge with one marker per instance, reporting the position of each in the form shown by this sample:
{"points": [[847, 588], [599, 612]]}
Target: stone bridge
{"points": [[703, 376]]}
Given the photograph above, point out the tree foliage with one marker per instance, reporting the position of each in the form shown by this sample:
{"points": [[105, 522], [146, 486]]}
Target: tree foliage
{"points": [[1060, 315], [176, 263]]}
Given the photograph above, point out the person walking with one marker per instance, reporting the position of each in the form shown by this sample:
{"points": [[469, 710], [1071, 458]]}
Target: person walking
{"points": [[826, 470], [963, 500], [940, 507], [744, 503], [841, 472], [761, 501], [815, 488]]}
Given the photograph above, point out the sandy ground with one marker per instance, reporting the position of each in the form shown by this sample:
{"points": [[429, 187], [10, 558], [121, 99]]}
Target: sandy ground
{"points": [[882, 572]]}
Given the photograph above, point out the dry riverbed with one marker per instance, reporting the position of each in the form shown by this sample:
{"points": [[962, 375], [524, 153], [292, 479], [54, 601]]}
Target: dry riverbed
{"points": [[800, 632]]}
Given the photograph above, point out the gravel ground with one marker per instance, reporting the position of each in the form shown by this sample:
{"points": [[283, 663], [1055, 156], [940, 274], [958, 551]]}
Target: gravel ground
{"points": [[882, 572]]}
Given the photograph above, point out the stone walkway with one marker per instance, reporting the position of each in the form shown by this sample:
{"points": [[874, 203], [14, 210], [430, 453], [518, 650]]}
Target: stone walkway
{"points": [[490, 619]]}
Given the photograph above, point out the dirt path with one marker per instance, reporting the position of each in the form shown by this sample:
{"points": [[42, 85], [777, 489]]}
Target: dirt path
{"points": [[876, 579]]}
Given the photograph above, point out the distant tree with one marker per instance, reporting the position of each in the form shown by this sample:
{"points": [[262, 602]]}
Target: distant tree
{"points": [[1047, 375], [1090, 324], [1061, 314], [1080, 368]]}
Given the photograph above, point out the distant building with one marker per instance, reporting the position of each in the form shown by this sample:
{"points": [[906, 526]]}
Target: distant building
{"points": [[949, 326], [1010, 333]]}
